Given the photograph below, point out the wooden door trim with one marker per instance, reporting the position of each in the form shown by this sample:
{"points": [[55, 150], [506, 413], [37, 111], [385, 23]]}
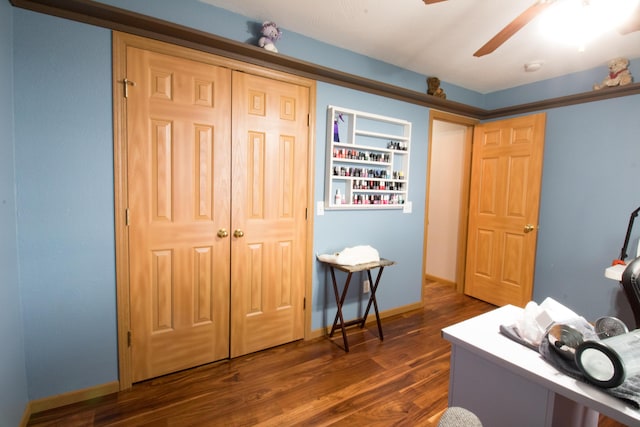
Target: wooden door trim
{"points": [[464, 196], [120, 42], [123, 309]]}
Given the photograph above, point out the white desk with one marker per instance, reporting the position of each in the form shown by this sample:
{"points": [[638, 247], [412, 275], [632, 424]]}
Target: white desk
{"points": [[507, 384]]}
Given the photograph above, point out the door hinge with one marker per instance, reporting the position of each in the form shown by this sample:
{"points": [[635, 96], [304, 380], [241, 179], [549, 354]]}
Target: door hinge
{"points": [[128, 338], [308, 119], [126, 216], [306, 213], [304, 303]]}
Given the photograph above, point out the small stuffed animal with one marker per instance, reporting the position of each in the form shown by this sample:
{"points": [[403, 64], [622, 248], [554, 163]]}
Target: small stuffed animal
{"points": [[433, 88], [270, 34], [619, 74]]}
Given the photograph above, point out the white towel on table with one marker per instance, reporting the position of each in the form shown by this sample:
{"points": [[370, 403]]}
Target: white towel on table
{"points": [[353, 256]]}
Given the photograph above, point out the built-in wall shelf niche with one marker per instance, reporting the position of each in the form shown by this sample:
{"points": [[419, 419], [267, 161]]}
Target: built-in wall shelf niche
{"points": [[367, 160]]}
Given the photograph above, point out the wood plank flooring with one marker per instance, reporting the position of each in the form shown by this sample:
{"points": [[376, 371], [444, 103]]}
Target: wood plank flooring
{"points": [[402, 381]]}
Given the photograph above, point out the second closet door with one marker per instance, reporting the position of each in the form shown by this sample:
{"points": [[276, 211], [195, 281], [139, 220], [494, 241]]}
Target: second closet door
{"points": [[269, 201]]}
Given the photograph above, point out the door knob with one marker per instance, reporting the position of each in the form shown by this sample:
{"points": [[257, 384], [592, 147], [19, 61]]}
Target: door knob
{"points": [[238, 233], [529, 228], [223, 232]]}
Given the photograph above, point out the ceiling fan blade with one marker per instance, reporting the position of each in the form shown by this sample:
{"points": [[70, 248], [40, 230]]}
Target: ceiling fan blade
{"points": [[633, 24], [432, 1], [513, 27]]}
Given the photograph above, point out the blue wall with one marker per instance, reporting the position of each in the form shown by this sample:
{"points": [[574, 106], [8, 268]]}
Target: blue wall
{"points": [[392, 232], [13, 379], [64, 172], [64, 181], [590, 175]]}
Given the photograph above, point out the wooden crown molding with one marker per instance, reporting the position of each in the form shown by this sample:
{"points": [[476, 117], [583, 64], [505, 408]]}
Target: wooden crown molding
{"points": [[118, 19]]}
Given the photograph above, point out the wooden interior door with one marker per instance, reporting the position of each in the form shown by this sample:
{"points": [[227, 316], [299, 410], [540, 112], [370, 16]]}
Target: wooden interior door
{"points": [[270, 149], [503, 209], [178, 175]]}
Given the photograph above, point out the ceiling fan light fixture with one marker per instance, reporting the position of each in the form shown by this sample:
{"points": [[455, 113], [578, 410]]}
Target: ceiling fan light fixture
{"points": [[577, 22]]}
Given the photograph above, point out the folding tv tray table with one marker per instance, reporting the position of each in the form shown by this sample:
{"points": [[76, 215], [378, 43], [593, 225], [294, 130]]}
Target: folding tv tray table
{"points": [[338, 321]]}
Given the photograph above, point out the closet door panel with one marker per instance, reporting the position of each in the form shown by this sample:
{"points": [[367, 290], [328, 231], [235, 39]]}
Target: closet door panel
{"points": [[178, 174], [270, 149]]}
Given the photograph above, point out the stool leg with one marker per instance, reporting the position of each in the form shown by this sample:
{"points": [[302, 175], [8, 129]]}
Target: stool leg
{"points": [[337, 296], [372, 299], [339, 302]]}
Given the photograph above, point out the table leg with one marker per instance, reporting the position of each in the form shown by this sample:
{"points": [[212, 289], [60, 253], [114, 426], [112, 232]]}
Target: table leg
{"points": [[339, 301], [568, 413], [372, 299]]}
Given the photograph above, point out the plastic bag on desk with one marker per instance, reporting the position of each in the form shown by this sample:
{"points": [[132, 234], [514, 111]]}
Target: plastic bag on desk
{"points": [[533, 325]]}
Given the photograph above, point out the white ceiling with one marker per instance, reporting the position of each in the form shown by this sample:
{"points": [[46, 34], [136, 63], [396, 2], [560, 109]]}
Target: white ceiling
{"points": [[439, 39]]}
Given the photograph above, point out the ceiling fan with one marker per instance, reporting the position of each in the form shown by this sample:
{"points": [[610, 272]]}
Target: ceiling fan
{"points": [[632, 24]]}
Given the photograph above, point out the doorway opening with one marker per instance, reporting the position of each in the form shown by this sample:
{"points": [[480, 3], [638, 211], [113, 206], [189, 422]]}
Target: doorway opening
{"points": [[447, 199]]}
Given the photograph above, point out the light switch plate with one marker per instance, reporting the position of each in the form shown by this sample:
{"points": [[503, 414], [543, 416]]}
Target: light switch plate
{"points": [[320, 208], [408, 206]]}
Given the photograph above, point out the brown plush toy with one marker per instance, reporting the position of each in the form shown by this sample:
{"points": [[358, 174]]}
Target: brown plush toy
{"points": [[433, 88], [619, 74]]}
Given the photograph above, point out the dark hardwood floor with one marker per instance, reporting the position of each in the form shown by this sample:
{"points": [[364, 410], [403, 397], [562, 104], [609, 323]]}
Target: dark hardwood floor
{"points": [[401, 381]]}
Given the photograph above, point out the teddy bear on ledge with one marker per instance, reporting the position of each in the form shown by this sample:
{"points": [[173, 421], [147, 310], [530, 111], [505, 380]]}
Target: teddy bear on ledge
{"points": [[270, 34], [619, 74]]}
